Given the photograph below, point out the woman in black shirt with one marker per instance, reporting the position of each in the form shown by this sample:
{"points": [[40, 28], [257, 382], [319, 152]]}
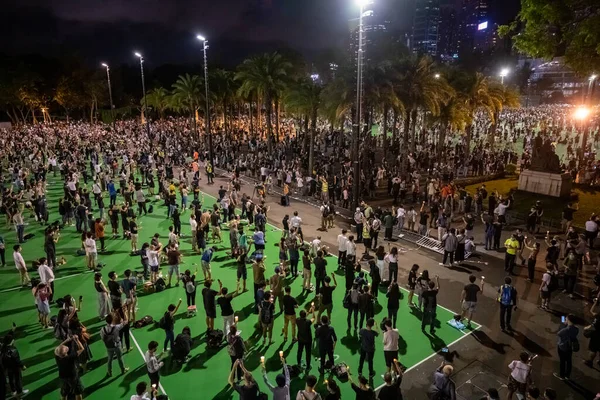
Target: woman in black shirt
{"points": [[393, 305], [412, 283], [375, 279]]}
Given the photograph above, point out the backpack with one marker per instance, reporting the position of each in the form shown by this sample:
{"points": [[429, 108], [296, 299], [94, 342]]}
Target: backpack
{"points": [[553, 284], [162, 323], [574, 345], [347, 300], [305, 397], [159, 285], [109, 339], [150, 209], [505, 296], [265, 313], [147, 320], [190, 287], [214, 339], [341, 371], [236, 348], [60, 332]]}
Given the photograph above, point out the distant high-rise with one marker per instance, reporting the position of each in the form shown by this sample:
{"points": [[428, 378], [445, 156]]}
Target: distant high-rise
{"points": [[426, 24], [375, 26], [477, 26], [448, 34]]}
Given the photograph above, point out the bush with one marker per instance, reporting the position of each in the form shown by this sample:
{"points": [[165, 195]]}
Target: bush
{"points": [[510, 169]]}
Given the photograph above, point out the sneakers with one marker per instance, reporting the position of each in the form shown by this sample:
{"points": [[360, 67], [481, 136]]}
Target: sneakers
{"points": [[559, 377], [124, 370]]}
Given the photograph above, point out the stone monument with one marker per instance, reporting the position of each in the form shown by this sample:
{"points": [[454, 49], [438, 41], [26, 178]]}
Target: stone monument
{"points": [[544, 175]]}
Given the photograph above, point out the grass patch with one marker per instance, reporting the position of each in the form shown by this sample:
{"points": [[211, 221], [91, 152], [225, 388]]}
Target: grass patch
{"points": [[586, 197]]}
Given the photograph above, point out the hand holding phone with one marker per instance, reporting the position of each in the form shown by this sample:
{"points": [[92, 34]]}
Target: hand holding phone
{"points": [[563, 319]]}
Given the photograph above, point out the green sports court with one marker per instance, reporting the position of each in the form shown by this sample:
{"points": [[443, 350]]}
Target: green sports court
{"points": [[205, 375]]}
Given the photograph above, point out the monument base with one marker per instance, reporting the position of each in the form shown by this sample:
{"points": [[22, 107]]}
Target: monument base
{"points": [[556, 185]]}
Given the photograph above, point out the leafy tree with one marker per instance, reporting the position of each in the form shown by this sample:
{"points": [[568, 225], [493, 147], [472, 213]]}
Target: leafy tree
{"points": [[550, 28], [188, 93], [158, 99]]}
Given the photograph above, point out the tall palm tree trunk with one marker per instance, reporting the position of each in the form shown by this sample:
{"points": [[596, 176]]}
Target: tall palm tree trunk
{"points": [[269, 112], [277, 127], [413, 129], [251, 120], [311, 149], [442, 139], [468, 133]]}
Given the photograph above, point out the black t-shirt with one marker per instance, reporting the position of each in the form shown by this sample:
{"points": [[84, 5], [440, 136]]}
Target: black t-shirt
{"points": [[67, 366], [113, 288], [225, 304], [289, 305], [423, 218], [471, 292], [133, 227], [568, 213], [470, 222], [169, 321], [327, 293], [208, 297], [430, 299], [247, 392], [367, 340], [320, 267], [304, 332], [362, 394], [391, 392]]}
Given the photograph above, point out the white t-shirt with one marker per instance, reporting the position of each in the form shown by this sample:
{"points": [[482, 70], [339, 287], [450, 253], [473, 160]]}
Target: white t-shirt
{"points": [[342, 242], [390, 340], [193, 224], [401, 212], [142, 397], [520, 370], [295, 222], [152, 257], [545, 281], [351, 248], [90, 246], [19, 261]]}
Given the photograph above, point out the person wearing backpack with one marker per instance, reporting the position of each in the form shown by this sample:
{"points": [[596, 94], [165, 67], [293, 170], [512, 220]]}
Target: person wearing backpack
{"points": [[267, 311], [309, 392], [110, 337], [236, 349], [167, 322], [189, 285], [566, 346], [549, 284], [507, 297], [11, 361]]}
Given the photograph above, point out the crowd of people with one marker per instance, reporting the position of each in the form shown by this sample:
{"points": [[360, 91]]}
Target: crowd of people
{"points": [[116, 169]]}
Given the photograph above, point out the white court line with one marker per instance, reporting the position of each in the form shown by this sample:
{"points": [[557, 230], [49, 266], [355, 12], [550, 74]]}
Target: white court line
{"points": [[57, 279], [160, 386]]}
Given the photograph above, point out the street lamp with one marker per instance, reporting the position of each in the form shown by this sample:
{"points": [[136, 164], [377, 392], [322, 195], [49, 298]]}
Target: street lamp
{"points": [[207, 116], [437, 76], [112, 107], [356, 134], [138, 55], [592, 80], [503, 73], [581, 114]]}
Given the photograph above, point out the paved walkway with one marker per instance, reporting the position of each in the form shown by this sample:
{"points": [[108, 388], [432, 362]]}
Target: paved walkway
{"points": [[488, 348]]}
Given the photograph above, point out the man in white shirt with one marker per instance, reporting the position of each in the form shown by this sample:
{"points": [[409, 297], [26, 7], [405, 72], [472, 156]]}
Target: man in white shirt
{"points": [[315, 246], [91, 252], [296, 223], [46, 276], [501, 211], [20, 265], [342, 241], [194, 228], [142, 394], [591, 230], [400, 215], [390, 344]]}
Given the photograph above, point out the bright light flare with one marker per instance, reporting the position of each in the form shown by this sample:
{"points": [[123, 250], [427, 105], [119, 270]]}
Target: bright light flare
{"points": [[504, 72], [137, 54], [593, 77], [200, 37], [105, 65], [581, 113], [363, 3], [437, 76]]}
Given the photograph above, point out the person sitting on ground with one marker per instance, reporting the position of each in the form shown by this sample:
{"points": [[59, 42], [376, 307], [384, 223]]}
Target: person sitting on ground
{"points": [[183, 345]]}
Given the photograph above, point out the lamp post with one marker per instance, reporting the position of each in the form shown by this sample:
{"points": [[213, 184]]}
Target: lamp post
{"points": [[503, 73], [356, 134], [207, 116], [138, 55], [112, 107], [581, 114], [592, 80]]}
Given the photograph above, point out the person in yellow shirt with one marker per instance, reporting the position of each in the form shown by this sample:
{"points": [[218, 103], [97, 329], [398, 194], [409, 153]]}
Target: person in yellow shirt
{"points": [[512, 246]]}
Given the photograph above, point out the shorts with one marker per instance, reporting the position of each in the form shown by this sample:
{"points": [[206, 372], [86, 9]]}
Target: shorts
{"points": [[174, 269], [367, 242], [469, 306], [266, 326], [545, 294], [216, 230], [71, 387], [205, 266], [259, 246], [154, 268], [326, 307], [516, 386], [242, 273], [306, 273], [389, 356], [134, 238], [211, 313], [154, 378], [44, 308]]}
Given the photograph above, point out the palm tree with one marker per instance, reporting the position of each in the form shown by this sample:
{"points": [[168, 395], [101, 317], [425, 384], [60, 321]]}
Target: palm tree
{"points": [[188, 93], [266, 77], [304, 97], [477, 95], [420, 88], [453, 116], [337, 102], [222, 88], [159, 99]]}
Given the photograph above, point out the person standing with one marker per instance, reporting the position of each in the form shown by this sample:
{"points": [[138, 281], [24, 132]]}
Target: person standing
{"points": [[110, 337], [390, 344], [327, 295], [362, 390], [167, 322], [66, 356], [266, 317], [153, 365], [289, 314], [592, 331], [11, 361], [450, 243], [567, 344], [326, 339], [208, 300], [591, 230], [468, 298], [570, 272], [320, 271], [430, 305], [393, 304], [507, 297], [412, 284], [282, 390], [236, 348], [47, 277], [351, 301], [104, 305], [342, 241], [367, 346], [392, 259], [520, 375], [375, 275], [512, 246], [258, 272], [305, 338], [224, 301], [20, 265]]}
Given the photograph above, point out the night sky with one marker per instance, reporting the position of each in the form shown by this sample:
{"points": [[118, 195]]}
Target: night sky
{"points": [[164, 30]]}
